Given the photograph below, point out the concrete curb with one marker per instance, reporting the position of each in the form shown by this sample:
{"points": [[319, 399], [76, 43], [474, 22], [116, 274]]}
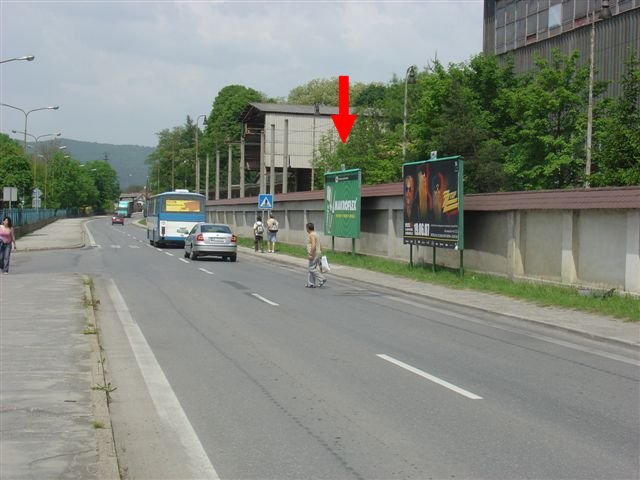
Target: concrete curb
{"points": [[107, 457]]}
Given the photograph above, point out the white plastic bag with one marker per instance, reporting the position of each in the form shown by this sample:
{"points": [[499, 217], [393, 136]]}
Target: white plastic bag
{"points": [[324, 264]]}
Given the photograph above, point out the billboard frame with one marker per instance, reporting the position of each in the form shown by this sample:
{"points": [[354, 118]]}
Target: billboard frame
{"points": [[433, 213]]}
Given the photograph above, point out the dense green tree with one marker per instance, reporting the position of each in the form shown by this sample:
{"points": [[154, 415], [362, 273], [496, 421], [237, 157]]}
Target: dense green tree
{"points": [[105, 180], [545, 141], [172, 163], [71, 185], [616, 133], [323, 91], [15, 167]]}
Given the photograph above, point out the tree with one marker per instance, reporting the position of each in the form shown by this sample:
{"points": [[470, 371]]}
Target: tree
{"points": [[616, 159], [545, 143], [105, 181], [224, 124], [322, 91], [15, 167], [71, 186]]}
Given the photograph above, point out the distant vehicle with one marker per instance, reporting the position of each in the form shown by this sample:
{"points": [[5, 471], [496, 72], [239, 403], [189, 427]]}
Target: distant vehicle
{"points": [[172, 215], [212, 239], [117, 219], [125, 208]]}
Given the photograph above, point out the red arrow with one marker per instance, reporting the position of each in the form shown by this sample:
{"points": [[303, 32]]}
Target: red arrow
{"points": [[343, 121]]}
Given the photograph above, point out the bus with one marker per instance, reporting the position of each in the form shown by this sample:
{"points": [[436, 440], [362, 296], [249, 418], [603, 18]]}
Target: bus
{"points": [[125, 208], [171, 216]]}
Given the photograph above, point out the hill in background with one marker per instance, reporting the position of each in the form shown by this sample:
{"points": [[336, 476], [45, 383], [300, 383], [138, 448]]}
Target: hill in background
{"points": [[126, 160]]}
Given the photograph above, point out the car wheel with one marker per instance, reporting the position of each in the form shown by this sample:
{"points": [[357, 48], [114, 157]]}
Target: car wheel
{"points": [[233, 258], [193, 255]]}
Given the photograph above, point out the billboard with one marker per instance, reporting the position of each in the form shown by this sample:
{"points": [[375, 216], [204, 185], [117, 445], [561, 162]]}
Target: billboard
{"points": [[342, 203], [433, 203]]}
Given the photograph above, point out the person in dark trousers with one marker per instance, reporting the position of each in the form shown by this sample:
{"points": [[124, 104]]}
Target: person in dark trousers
{"points": [[314, 254], [258, 234]]}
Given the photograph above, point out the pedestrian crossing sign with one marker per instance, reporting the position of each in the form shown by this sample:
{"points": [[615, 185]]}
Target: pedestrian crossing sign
{"points": [[265, 201]]}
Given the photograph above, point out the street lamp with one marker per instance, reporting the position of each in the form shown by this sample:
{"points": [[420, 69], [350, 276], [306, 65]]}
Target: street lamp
{"points": [[46, 172], [197, 189], [36, 148], [604, 13], [26, 115], [28, 58], [410, 77]]}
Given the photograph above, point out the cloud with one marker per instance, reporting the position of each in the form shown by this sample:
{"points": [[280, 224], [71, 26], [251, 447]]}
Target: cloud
{"points": [[107, 63]]}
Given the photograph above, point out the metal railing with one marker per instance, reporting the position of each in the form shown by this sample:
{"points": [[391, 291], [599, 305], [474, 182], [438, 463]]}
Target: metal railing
{"points": [[25, 216]]}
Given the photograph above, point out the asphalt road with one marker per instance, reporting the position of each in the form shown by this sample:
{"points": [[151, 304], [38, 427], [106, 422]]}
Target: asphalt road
{"points": [[236, 370]]}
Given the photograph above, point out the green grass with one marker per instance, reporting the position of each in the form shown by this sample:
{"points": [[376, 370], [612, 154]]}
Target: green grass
{"points": [[621, 306]]}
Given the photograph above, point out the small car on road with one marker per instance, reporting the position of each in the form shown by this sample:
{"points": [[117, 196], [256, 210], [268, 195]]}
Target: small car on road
{"points": [[212, 239], [117, 219]]}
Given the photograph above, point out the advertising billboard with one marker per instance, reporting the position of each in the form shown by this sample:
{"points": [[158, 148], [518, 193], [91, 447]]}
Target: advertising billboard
{"points": [[342, 203], [433, 203]]}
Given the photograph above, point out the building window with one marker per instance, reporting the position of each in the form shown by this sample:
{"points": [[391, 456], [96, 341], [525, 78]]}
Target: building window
{"points": [[555, 16], [532, 24], [543, 20], [567, 11], [500, 17], [532, 6]]}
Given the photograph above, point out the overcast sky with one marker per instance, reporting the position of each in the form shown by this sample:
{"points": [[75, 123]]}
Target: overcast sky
{"points": [[121, 71]]}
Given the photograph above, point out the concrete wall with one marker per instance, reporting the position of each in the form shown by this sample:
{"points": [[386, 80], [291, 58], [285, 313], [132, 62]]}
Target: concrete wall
{"points": [[589, 247]]}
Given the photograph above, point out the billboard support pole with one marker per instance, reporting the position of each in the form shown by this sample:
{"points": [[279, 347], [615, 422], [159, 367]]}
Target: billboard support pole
{"points": [[433, 263], [411, 256], [353, 247], [333, 243], [461, 263]]}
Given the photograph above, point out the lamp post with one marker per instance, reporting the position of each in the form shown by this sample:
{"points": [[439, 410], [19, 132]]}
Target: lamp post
{"points": [[37, 139], [46, 173], [197, 186], [26, 116], [604, 13], [28, 58], [410, 77]]}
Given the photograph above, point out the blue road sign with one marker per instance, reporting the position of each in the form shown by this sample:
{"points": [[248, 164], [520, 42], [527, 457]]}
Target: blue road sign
{"points": [[265, 201]]}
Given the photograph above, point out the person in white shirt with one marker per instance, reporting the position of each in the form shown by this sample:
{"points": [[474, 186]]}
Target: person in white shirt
{"points": [[272, 232], [258, 234]]}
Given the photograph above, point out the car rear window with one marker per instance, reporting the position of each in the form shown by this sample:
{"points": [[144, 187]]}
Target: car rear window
{"points": [[215, 229]]}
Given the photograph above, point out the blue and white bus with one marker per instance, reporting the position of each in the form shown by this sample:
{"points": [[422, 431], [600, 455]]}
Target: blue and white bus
{"points": [[172, 215]]}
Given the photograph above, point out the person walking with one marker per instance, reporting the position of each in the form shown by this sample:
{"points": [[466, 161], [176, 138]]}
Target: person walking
{"points": [[314, 254], [258, 234], [272, 232], [7, 240]]}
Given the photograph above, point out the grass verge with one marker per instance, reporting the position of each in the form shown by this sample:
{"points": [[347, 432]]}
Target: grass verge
{"points": [[625, 307]]}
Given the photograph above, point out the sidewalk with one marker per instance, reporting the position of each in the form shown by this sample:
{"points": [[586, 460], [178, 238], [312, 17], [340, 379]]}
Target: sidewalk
{"points": [[52, 423], [48, 411]]}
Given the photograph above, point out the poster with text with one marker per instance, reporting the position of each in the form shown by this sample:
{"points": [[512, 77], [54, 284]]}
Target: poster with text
{"points": [[433, 200], [342, 203]]}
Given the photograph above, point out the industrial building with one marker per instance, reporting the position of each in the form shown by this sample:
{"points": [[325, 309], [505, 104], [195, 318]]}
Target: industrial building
{"points": [[525, 28]]}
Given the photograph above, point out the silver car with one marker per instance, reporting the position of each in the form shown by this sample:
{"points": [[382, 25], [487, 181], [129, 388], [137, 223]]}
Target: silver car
{"points": [[214, 239]]}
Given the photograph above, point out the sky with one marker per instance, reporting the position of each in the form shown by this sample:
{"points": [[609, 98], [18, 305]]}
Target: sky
{"points": [[122, 71]]}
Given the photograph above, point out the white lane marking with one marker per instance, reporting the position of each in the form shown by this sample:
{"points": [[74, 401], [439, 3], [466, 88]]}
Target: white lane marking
{"points": [[134, 246], [544, 338], [430, 377], [168, 253], [205, 271], [159, 249], [115, 246], [265, 300], [164, 398], [183, 260], [92, 242]]}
